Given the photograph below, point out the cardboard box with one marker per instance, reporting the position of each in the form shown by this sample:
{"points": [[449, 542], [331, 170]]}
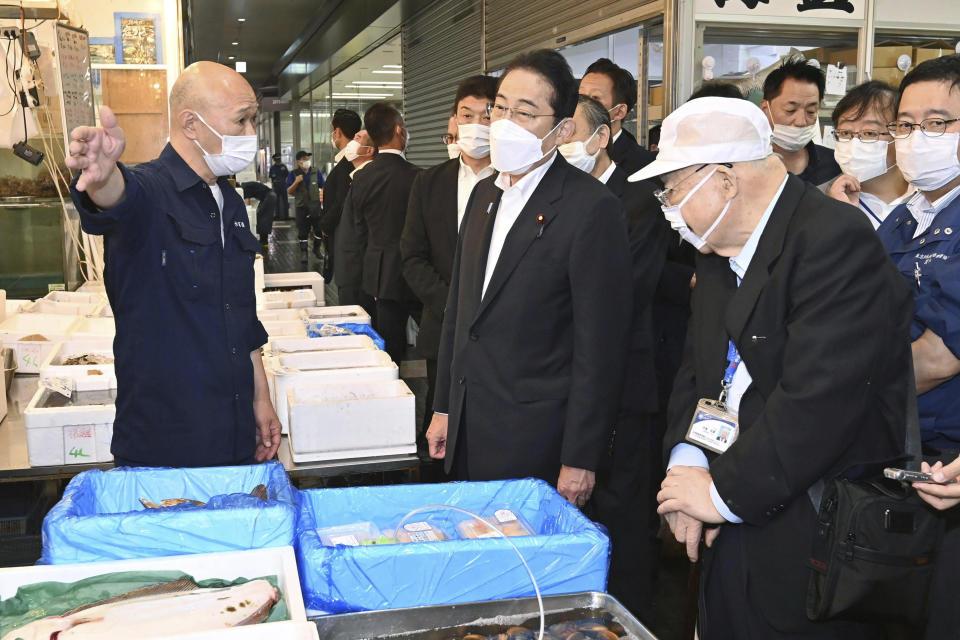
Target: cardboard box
{"points": [[832, 56], [890, 75], [656, 96], [888, 56], [922, 55]]}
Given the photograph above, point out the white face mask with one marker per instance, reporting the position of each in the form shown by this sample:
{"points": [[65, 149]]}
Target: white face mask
{"points": [[305, 165], [862, 160], [513, 149], [236, 153], [453, 150], [350, 152], [337, 158], [928, 163], [474, 140], [576, 154], [791, 138], [675, 218]]}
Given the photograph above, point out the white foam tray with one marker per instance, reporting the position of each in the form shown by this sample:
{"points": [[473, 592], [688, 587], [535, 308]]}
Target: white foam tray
{"points": [[94, 297], [53, 365], [296, 280], [329, 343], [69, 435], [227, 565], [356, 420], [333, 359], [296, 299], [336, 315], [31, 354]]}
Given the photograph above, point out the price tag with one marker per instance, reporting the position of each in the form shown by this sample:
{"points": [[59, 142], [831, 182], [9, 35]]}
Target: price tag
{"points": [[30, 354], [57, 384], [79, 444], [836, 80]]}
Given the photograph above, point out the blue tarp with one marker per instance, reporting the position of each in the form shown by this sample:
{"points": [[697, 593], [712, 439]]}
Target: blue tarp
{"points": [[569, 554], [315, 330], [100, 516]]}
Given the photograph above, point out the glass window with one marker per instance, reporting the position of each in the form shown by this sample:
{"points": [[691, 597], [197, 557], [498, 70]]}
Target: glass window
{"points": [[323, 151], [377, 77]]}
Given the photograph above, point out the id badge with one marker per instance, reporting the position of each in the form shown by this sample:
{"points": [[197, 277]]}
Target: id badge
{"points": [[713, 426]]}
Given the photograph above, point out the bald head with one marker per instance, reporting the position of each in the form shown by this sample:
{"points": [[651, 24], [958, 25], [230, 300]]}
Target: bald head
{"points": [[204, 84]]}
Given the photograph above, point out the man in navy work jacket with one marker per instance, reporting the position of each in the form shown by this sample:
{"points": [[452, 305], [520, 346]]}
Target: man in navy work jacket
{"points": [[179, 274]]}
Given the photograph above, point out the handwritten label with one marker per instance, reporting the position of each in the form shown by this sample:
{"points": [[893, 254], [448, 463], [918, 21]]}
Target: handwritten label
{"points": [[79, 444], [30, 354], [836, 80], [58, 384]]}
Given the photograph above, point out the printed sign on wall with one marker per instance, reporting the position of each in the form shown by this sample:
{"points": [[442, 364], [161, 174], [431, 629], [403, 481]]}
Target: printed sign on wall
{"points": [[784, 8]]}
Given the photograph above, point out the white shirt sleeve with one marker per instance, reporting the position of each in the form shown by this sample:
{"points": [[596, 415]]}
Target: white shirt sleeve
{"points": [[687, 455]]}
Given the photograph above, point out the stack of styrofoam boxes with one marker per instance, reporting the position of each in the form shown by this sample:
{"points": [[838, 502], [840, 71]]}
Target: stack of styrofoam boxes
{"points": [[296, 299], [228, 565], [71, 434], [280, 314], [68, 303], [284, 328], [300, 280], [30, 354]]}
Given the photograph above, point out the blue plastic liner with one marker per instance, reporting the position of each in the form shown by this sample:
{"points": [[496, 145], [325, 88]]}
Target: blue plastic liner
{"points": [[569, 554], [100, 516], [314, 328]]}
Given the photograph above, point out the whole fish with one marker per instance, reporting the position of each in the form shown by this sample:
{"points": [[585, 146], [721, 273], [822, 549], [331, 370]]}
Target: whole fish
{"points": [[259, 491], [157, 612]]}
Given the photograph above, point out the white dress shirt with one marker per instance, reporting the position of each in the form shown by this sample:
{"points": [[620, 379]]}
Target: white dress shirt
{"points": [[466, 181], [924, 212], [616, 136], [605, 176], [512, 202], [394, 151], [877, 210], [688, 454], [352, 173]]}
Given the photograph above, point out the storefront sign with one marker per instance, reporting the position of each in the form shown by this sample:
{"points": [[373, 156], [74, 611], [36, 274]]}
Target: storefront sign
{"points": [[783, 8]]}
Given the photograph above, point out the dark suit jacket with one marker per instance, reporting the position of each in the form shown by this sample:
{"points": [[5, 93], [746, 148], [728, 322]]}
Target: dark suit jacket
{"points": [[428, 244], [821, 321], [334, 195], [628, 154], [377, 203], [648, 233], [532, 372]]}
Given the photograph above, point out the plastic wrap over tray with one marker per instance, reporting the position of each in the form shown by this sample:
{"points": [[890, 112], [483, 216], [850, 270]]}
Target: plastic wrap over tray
{"points": [[100, 516], [568, 554], [315, 329]]}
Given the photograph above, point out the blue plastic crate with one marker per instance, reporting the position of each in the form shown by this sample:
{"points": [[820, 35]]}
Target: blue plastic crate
{"points": [[100, 516], [569, 554]]}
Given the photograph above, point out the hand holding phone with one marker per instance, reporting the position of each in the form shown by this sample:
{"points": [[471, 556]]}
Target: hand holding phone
{"points": [[905, 475]]}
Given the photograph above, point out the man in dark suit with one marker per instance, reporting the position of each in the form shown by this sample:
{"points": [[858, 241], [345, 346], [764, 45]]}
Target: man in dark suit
{"points": [[438, 201], [531, 352], [360, 153], [616, 89], [809, 318], [377, 203], [625, 499], [345, 125]]}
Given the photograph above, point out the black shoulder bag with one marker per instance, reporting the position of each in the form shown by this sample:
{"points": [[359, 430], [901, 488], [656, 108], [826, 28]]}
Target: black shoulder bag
{"points": [[876, 542]]}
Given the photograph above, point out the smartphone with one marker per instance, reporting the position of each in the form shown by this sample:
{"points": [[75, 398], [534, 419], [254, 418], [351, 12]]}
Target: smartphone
{"points": [[911, 476]]}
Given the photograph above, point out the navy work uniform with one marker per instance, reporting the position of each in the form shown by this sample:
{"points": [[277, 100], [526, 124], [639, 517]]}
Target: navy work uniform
{"points": [[930, 260], [179, 277]]}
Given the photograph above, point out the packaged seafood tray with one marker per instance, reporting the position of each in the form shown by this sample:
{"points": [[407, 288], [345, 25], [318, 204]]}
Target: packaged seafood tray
{"points": [[567, 553], [77, 429], [296, 299], [371, 366], [96, 505], [295, 280], [355, 420], [596, 615], [284, 328], [94, 327], [278, 562], [86, 358], [32, 336], [339, 315], [327, 343]]}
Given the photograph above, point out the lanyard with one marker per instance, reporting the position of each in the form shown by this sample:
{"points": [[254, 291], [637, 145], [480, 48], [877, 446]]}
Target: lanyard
{"points": [[870, 212], [733, 361]]}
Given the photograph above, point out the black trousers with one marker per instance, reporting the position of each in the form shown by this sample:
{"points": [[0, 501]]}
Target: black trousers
{"points": [[944, 621], [391, 324], [283, 203], [431, 388], [305, 220]]}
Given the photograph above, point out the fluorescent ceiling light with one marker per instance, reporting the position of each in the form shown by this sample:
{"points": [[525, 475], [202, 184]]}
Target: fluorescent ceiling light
{"points": [[376, 83], [241, 19], [235, 43], [391, 71], [392, 66], [363, 95], [241, 66], [231, 57]]}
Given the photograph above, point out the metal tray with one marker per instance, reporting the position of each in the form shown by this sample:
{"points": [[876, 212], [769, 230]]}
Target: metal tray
{"points": [[453, 621]]}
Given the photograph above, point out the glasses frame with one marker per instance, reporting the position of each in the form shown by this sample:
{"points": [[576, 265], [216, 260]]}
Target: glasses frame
{"points": [[510, 113], [662, 194], [892, 127], [449, 138], [859, 135]]}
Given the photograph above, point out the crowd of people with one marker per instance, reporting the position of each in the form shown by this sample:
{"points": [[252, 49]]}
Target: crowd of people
{"points": [[702, 332]]}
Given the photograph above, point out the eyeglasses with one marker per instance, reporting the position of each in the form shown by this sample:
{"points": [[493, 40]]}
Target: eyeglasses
{"points": [[663, 195], [931, 127], [448, 138], [520, 116], [867, 135]]}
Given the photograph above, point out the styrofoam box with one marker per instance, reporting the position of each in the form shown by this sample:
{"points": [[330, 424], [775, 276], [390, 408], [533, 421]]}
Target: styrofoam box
{"points": [[93, 327], [76, 297], [296, 280], [53, 434], [328, 343], [336, 359], [31, 354], [44, 305], [280, 314], [227, 565], [297, 299], [360, 419], [282, 328], [334, 315], [53, 365], [280, 381], [92, 286], [13, 307]]}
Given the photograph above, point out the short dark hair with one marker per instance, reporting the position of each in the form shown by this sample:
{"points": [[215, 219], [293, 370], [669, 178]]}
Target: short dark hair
{"points": [[863, 96], [943, 69], [594, 112], [717, 90], [347, 121], [380, 121], [556, 71], [795, 67], [624, 84], [653, 136], [475, 86]]}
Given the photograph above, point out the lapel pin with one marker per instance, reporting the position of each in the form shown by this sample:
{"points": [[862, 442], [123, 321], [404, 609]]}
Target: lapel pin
{"points": [[540, 224], [489, 207]]}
